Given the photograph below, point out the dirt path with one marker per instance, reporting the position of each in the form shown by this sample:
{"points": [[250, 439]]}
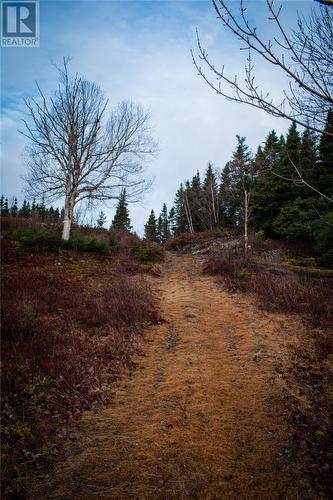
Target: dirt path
{"points": [[201, 416]]}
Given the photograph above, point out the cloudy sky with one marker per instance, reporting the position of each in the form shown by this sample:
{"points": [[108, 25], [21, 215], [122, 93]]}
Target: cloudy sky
{"points": [[141, 51]]}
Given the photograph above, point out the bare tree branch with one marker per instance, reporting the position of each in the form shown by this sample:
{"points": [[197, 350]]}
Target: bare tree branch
{"points": [[303, 55], [75, 153]]}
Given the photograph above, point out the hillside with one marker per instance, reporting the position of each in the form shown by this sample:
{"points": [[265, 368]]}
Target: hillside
{"points": [[222, 398]]}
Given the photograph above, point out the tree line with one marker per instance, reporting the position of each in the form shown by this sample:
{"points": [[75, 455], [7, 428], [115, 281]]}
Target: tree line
{"points": [[40, 212], [284, 190], [28, 210]]}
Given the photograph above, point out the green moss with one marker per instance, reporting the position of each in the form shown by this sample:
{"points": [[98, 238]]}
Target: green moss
{"points": [[241, 274], [320, 434]]}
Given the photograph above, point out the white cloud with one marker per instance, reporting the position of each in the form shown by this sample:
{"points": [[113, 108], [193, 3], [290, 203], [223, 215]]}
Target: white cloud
{"points": [[149, 62]]}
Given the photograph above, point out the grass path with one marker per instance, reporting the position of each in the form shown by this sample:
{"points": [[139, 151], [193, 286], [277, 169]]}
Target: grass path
{"points": [[201, 416]]}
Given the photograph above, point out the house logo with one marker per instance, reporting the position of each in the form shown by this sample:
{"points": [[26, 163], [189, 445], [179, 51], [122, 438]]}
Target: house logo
{"points": [[20, 23]]}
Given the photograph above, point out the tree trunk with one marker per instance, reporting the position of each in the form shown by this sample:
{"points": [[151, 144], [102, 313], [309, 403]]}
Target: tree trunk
{"points": [[68, 215], [246, 217], [188, 213]]}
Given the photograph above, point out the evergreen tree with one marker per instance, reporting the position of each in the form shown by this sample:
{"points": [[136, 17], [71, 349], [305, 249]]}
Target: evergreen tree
{"points": [[172, 221], [41, 210], [151, 228], [2, 203], [159, 228], [308, 164], [101, 219], [194, 197], [33, 206], [325, 164], [243, 174], [266, 205], [290, 155], [50, 214], [180, 215], [5, 208], [227, 202], [165, 232], [209, 205], [25, 210], [121, 219], [14, 208], [56, 215], [322, 231]]}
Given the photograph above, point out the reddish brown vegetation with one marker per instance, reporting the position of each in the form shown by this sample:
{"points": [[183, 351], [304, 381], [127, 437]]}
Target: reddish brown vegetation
{"points": [[186, 239], [294, 293], [277, 289], [69, 326]]}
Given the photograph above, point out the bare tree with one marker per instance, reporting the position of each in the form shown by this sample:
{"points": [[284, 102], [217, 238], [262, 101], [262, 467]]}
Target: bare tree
{"points": [[76, 154], [242, 172], [304, 55]]}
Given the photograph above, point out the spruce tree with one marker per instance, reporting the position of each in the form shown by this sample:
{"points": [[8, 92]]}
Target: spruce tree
{"points": [[121, 219], [295, 218], [209, 205], [325, 164], [56, 215], [5, 208], [266, 205], [195, 200], [323, 232], [41, 210], [25, 210], [227, 202], [180, 215], [50, 214], [33, 206], [159, 229], [172, 221], [165, 231], [14, 208], [101, 219], [151, 228], [243, 174]]}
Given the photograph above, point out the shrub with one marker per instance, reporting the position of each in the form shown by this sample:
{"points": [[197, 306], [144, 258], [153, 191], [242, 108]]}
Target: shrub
{"points": [[100, 246], [41, 237], [277, 290], [47, 238], [294, 293], [185, 239], [62, 343], [326, 259], [11, 226], [127, 302], [148, 252], [178, 242], [227, 261], [123, 239]]}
